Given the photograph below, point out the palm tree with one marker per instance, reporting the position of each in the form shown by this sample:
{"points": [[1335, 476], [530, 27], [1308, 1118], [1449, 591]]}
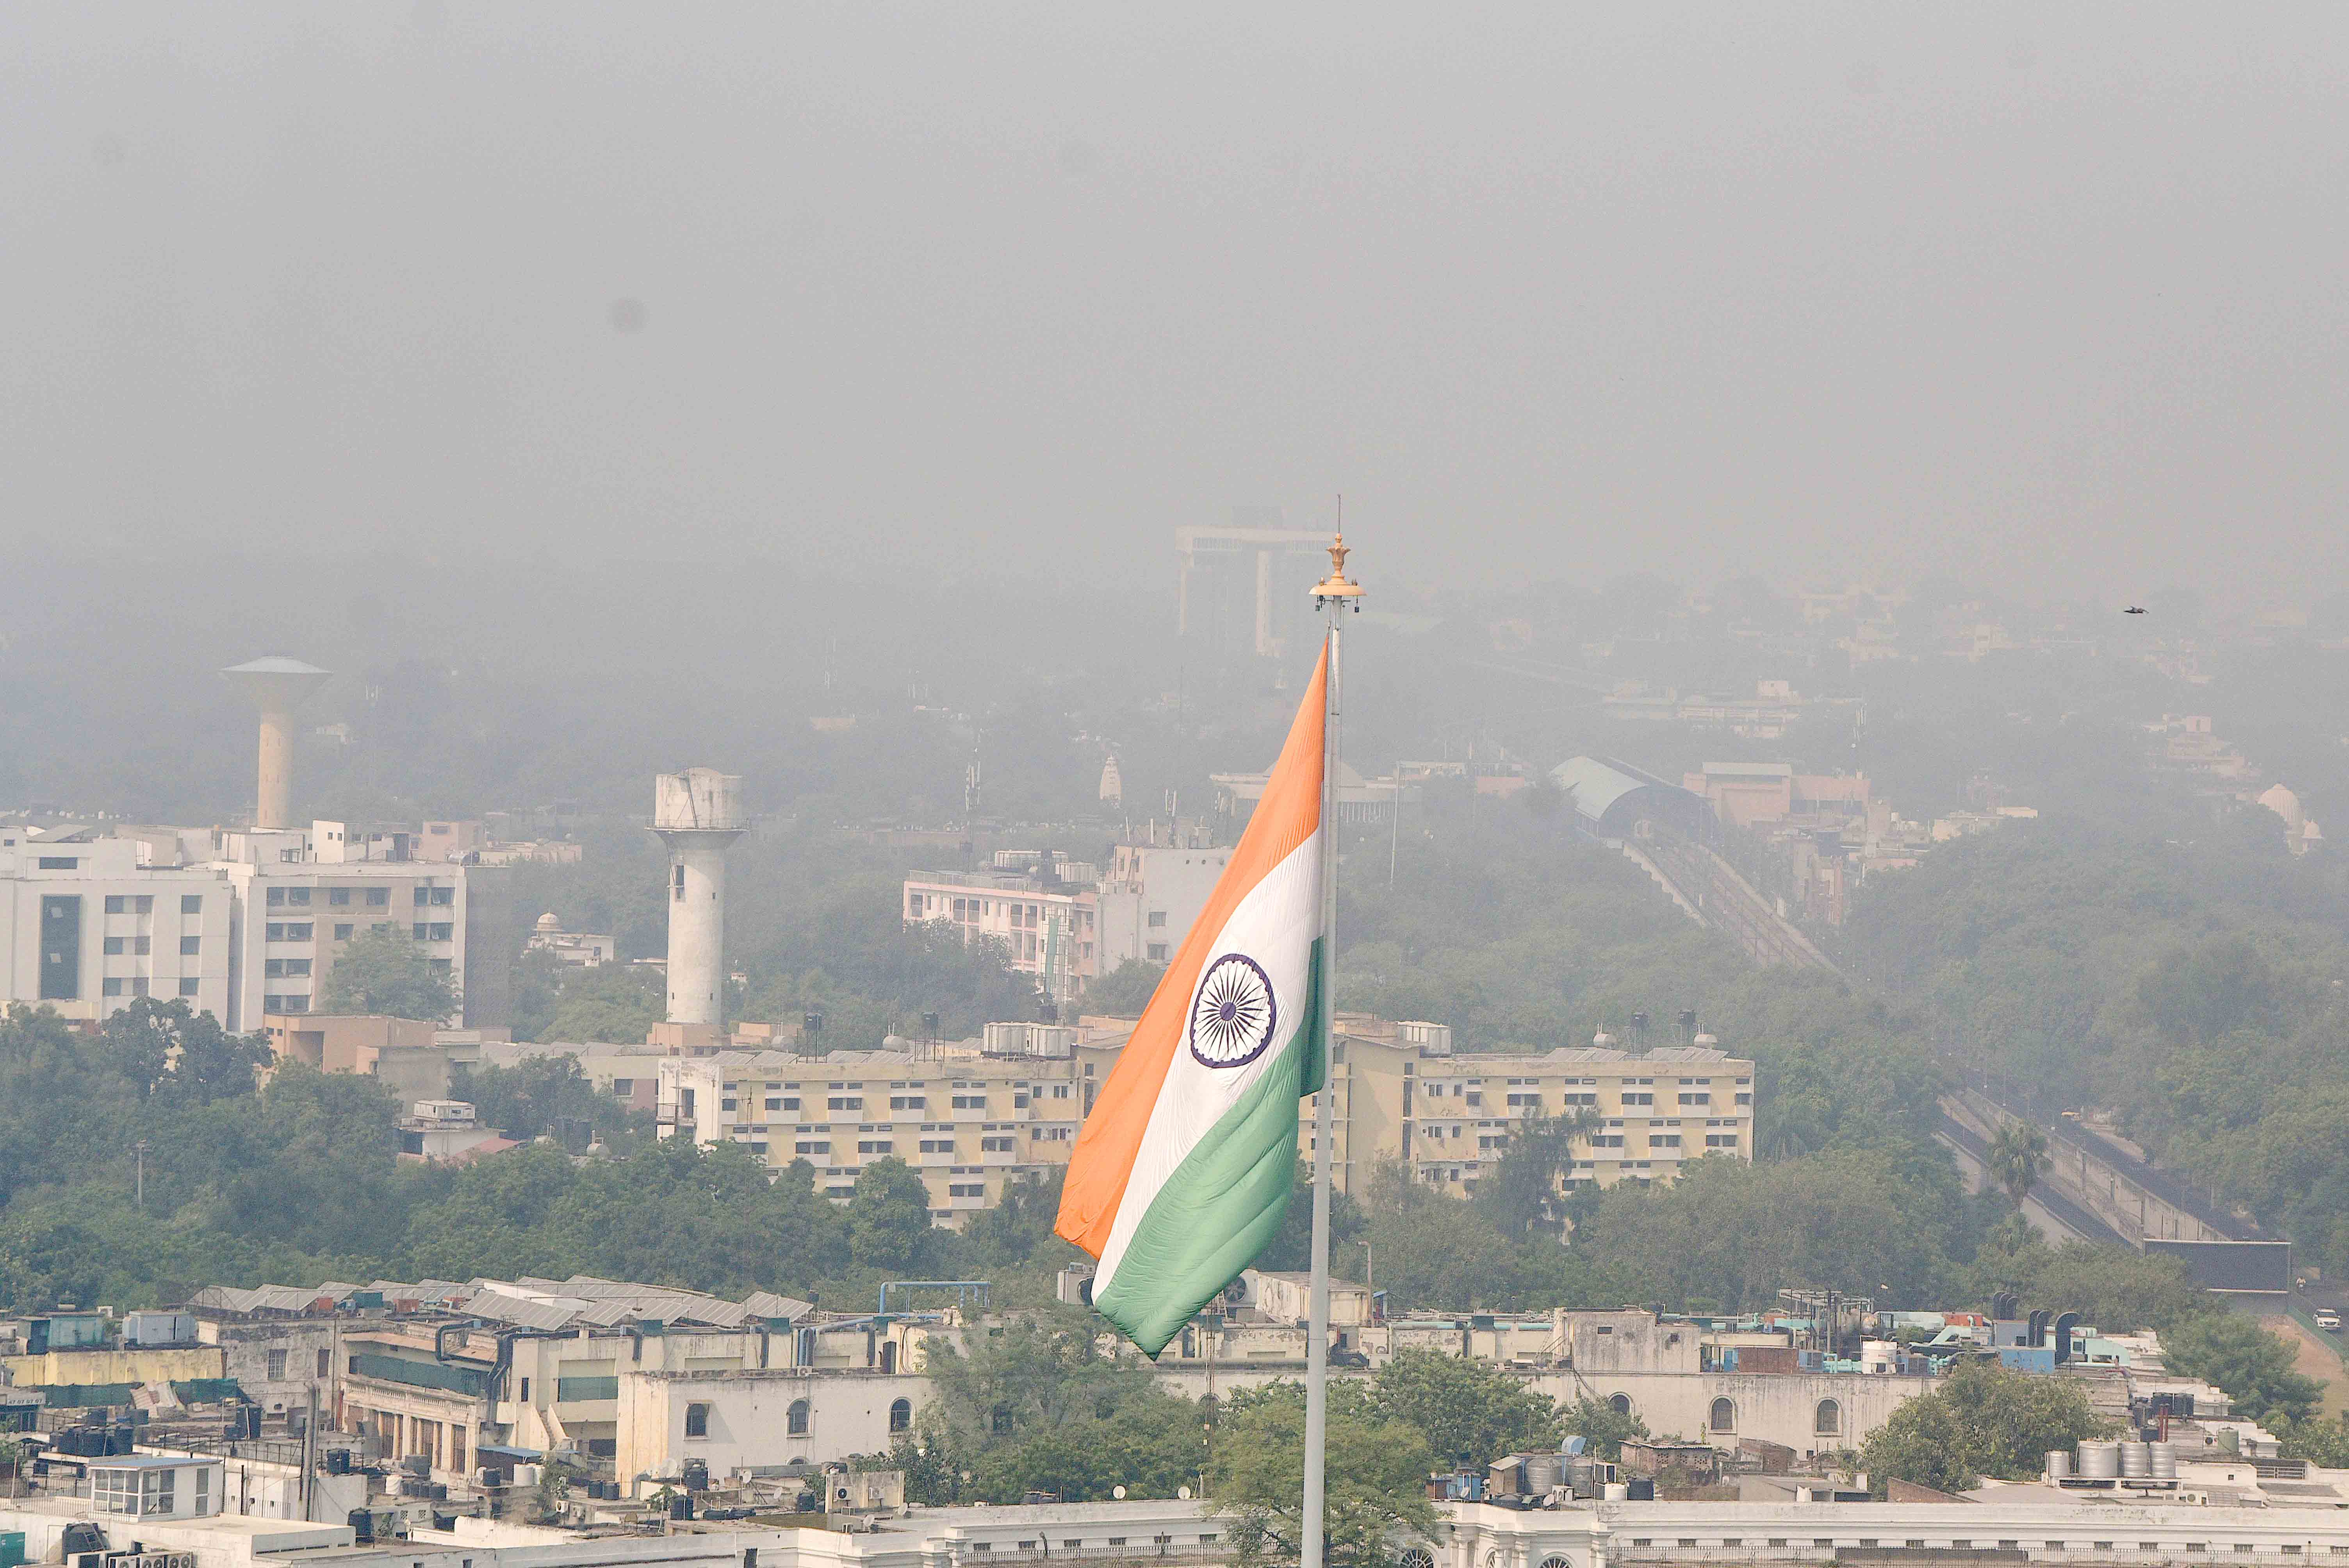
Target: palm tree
{"points": [[2018, 1158]]}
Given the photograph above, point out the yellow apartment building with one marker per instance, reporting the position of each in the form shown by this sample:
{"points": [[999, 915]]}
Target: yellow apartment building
{"points": [[975, 1117], [1404, 1095]]}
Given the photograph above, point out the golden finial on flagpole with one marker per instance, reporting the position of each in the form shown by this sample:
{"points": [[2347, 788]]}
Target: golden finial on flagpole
{"points": [[1338, 587]]}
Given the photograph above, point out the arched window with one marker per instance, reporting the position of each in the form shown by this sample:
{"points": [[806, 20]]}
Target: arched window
{"points": [[1828, 1422], [1725, 1417], [697, 1420], [1556, 1562], [1621, 1404], [900, 1416], [798, 1419], [1418, 1557]]}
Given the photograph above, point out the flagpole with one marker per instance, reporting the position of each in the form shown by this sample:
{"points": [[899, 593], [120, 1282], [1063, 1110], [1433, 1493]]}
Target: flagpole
{"points": [[1333, 593]]}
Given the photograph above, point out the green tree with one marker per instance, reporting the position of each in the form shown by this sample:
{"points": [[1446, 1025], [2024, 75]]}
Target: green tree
{"points": [[2324, 1443], [2112, 1286], [46, 1260], [1853, 1217], [2206, 992], [1375, 1472], [525, 1099], [1982, 1420], [382, 970], [668, 1214], [1520, 1191], [2018, 1158], [618, 1003], [1290, 1247], [2256, 1367], [1429, 1250], [1601, 1426], [1924, 1442], [1466, 1407], [888, 1216], [1125, 990], [1149, 1441], [1017, 1233], [1032, 1373], [180, 1056]]}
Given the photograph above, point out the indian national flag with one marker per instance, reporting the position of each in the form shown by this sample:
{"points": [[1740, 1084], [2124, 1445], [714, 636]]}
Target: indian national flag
{"points": [[1183, 1168]]}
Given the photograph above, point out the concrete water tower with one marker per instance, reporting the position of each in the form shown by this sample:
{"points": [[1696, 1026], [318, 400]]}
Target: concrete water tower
{"points": [[699, 814], [277, 686]]}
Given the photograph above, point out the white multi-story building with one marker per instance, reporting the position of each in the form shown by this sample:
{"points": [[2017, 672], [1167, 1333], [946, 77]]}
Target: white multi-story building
{"points": [[238, 923], [1048, 925], [1152, 894], [86, 926], [1066, 927]]}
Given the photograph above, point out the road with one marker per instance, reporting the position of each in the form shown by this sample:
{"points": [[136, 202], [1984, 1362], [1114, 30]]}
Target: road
{"points": [[2062, 1219], [2318, 1357]]}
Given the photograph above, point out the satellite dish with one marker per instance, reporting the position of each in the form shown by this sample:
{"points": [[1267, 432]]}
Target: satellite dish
{"points": [[1183, 1492], [1118, 1492]]}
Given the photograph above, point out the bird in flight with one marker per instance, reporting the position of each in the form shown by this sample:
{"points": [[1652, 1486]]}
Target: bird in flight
{"points": [[2134, 610]]}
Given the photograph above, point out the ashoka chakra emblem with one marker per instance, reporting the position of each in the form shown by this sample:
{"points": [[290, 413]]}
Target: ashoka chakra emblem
{"points": [[1231, 1022]]}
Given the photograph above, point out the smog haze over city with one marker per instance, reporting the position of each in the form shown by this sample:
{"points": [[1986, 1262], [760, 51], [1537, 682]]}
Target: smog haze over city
{"points": [[667, 660], [2043, 295]]}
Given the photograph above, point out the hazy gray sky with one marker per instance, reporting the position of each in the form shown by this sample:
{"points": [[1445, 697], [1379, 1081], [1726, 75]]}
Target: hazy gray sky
{"points": [[2053, 293]]}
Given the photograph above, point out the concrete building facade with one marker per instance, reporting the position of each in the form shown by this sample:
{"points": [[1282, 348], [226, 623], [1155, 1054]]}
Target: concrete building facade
{"points": [[753, 1420], [1047, 928], [976, 1116], [972, 1118], [1404, 1095], [406, 1054], [237, 923], [1152, 894], [88, 926]]}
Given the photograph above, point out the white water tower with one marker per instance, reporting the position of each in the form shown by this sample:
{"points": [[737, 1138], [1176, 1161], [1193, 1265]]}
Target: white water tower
{"points": [[276, 685], [699, 814]]}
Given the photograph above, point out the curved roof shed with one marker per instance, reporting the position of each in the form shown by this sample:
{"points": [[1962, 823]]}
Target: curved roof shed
{"points": [[1611, 796]]}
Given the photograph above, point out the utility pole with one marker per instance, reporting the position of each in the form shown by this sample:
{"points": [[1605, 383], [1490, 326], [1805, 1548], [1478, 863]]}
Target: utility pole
{"points": [[1395, 834], [1332, 595], [309, 1455]]}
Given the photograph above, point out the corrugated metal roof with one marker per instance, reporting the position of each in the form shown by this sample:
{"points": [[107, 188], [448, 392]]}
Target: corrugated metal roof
{"points": [[542, 1304], [224, 1298], [1595, 785], [521, 1311], [766, 1303], [293, 1298]]}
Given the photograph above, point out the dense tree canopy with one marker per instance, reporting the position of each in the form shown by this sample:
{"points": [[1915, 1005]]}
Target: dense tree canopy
{"points": [[1125, 990], [1470, 1412], [2192, 980], [384, 970], [2256, 1367], [1375, 1473], [618, 1003], [1602, 1425], [1982, 1420]]}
